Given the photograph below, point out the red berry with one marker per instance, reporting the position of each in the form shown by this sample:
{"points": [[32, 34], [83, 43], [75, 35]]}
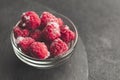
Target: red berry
{"points": [[30, 20], [51, 31], [67, 35], [47, 17], [20, 32], [40, 50], [36, 35], [58, 47], [24, 43]]}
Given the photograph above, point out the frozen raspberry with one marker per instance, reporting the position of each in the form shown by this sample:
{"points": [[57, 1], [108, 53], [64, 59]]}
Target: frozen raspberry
{"points": [[40, 50], [36, 35], [66, 34], [47, 17], [58, 47], [30, 20], [60, 22], [20, 32], [24, 43], [51, 31]]}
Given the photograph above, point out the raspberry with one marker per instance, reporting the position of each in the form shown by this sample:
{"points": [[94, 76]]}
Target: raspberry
{"points": [[36, 35], [47, 17], [20, 32], [40, 50], [24, 43], [66, 34], [30, 20], [58, 47], [51, 31]]}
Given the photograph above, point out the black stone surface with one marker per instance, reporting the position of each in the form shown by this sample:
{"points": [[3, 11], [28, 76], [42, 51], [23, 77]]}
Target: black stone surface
{"points": [[11, 68]]}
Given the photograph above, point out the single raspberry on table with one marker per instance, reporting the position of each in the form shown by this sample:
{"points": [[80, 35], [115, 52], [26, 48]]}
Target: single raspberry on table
{"points": [[36, 35], [58, 47], [51, 31], [20, 32], [47, 17], [31, 20], [39, 49], [24, 43], [66, 34]]}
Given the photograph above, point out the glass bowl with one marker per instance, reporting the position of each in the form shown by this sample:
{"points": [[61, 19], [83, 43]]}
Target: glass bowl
{"points": [[50, 62]]}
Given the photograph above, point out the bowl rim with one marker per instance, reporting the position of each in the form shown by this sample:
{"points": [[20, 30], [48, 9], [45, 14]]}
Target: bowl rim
{"points": [[49, 59]]}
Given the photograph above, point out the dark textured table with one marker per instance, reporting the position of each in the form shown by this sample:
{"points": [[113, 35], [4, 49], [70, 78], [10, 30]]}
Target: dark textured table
{"points": [[98, 23]]}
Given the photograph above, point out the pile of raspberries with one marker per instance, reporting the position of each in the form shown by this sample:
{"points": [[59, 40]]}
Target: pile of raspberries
{"points": [[43, 36]]}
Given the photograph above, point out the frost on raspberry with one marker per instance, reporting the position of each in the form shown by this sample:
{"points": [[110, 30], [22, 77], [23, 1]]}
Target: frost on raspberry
{"points": [[36, 35], [30, 20], [51, 31], [58, 47], [39, 49], [20, 32], [67, 35], [24, 43]]}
